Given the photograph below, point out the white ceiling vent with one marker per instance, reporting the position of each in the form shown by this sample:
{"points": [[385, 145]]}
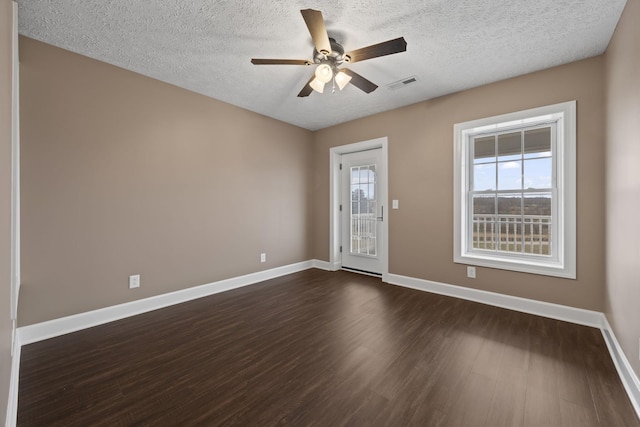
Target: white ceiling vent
{"points": [[403, 83]]}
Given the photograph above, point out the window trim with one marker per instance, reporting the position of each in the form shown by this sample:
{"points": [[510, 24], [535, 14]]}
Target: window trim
{"points": [[562, 265]]}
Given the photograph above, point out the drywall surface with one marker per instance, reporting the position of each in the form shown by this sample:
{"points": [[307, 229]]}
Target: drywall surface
{"points": [[623, 182], [421, 178], [125, 175]]}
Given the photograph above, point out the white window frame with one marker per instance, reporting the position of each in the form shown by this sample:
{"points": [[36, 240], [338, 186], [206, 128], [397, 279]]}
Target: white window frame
{"points": [[563, 263]]}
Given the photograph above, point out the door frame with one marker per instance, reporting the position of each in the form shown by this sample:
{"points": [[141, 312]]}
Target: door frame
{"points": [[335, 154]]}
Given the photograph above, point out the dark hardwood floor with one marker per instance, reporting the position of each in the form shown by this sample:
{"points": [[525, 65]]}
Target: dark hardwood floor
{"points": [[326, 349]]}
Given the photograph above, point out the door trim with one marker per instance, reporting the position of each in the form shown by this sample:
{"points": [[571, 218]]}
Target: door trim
{"points": [[335, 153]]}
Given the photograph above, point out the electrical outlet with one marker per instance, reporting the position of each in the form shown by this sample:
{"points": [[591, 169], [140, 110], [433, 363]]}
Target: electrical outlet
{"points": [[471, 272], [134, 281], [263, 257]]}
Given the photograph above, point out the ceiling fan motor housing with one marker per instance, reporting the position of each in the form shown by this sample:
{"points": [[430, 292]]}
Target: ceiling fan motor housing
{"points": [[333, 58]]}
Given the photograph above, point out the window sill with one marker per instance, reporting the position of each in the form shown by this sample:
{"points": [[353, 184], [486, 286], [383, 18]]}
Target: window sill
{"points": [[545, 268]]}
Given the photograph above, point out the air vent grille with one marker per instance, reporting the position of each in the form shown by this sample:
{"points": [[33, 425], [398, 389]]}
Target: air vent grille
{"points": [[407, 81]]}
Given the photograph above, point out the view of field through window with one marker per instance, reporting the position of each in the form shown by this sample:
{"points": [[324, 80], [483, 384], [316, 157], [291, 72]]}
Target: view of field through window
{"points": [[511, 193]]}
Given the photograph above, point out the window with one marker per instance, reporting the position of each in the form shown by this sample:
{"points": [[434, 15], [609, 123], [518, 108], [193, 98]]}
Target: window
{"points": [[364, 224], [514, 191]]}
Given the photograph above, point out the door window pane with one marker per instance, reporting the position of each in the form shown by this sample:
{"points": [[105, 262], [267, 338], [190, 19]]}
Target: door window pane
{"points": [[363, 227]]}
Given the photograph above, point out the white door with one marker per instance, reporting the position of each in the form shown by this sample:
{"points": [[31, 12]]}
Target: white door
{"points": [[362, 203]]}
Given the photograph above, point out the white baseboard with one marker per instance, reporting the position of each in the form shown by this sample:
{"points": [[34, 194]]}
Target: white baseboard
{"points": [[53, 328], [322, 265], [625, 371], [540, 308], [12, 406]]}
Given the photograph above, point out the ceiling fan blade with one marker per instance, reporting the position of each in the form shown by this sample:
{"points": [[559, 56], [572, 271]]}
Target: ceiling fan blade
{"points": [[280, 62], [375, 50], [315, 24], [307, 89], [360, 82]]}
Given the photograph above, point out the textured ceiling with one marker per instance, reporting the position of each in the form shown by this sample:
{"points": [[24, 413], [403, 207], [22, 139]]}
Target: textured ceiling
{"points": [[206, 45]]}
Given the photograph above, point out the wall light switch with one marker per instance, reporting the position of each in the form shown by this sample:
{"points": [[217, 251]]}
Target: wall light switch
{"points": [[134, 281], [394, 204], [263, 257]]}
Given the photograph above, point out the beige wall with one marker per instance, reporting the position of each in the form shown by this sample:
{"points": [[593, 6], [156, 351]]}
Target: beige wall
{"points": [[122, 175], [623, 182], [421, 178], [5, 202]]}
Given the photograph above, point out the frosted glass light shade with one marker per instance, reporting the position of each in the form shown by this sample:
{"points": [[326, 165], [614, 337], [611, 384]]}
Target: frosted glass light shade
{"points": [[342, 79], [317, 85], [324, 73]]}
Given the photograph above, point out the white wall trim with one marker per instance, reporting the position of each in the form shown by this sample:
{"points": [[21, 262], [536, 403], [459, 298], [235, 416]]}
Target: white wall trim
{"points": [[12, 406], [64, 325], [15, 169], [562, 263], [321, 265], [540, 308], [625, 371]]}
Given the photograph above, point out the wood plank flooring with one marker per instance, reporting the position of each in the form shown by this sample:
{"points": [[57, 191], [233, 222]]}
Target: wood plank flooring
{"points": [[325, 349]]}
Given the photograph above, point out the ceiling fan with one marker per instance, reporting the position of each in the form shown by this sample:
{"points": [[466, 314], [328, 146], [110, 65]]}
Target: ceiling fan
{"points": [[330, 55]]}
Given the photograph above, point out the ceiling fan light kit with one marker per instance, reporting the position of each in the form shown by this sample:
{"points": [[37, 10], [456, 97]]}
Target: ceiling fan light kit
{"points": [[324, 73], [330, 55], [342, 79], [317, 85]]}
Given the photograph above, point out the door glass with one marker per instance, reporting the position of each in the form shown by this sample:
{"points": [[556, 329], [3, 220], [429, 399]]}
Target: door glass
{"points": [[363, 210]]}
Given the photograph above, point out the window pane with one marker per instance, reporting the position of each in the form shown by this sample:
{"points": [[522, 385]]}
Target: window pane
{"points": [[484, 149], [484, 177], [510, 223], [510, 175], [484, 205], [537, 224], [363, 208], [510, 205], [371, 192], [509, 146], [355, 175], [371, 207], [484, 222], [537, 173], [537, 204], [364, 175], [537, 143]]}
